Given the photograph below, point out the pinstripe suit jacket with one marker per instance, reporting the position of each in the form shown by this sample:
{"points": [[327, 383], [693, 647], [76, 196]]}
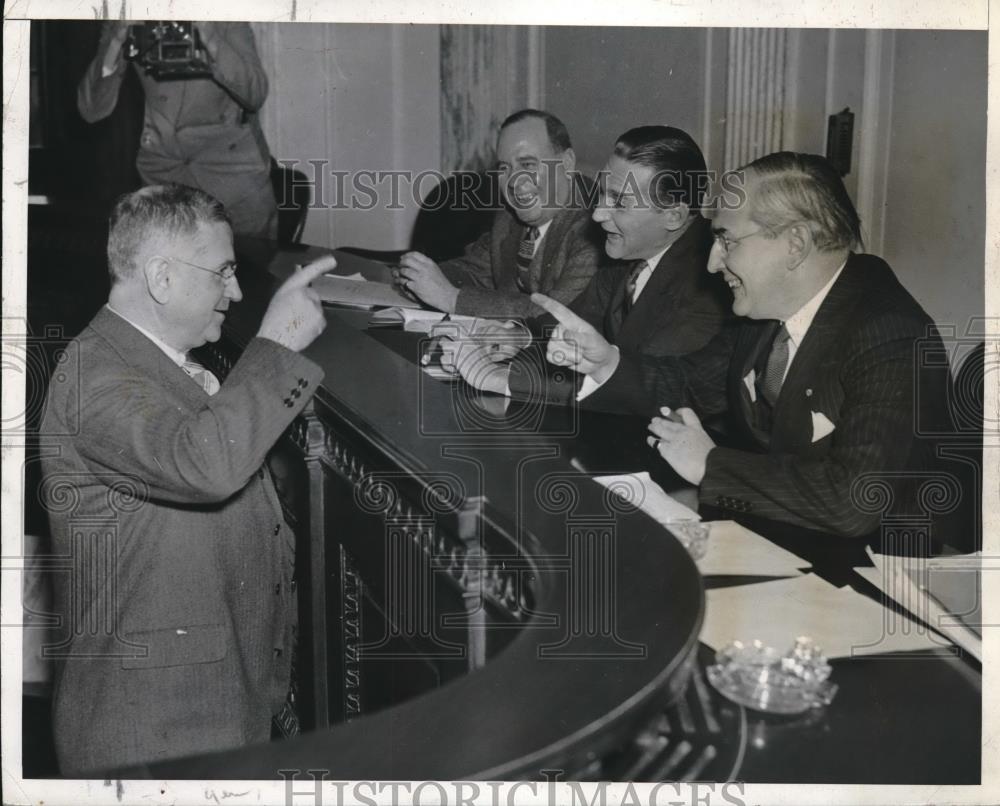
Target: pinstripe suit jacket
{"points": [[564, 262], [855, 371], [179, 607]]}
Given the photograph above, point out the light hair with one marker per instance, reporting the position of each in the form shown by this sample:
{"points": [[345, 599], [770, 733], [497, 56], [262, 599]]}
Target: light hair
{"points": [[794, 187], [158, 210]]}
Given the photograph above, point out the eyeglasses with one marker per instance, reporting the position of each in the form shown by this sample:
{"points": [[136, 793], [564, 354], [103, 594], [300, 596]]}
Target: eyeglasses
{"points": [[726, 243], [226, 272]]}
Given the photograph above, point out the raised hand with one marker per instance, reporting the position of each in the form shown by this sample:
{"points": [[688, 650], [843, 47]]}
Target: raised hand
{"points": [[576, 344], [295, 316]]}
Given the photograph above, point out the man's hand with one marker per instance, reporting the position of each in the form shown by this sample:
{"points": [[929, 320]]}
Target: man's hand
{"points": [[502, 339], [295, 316], [116, 39], [684, 444], [462, 354], [575, 344], [422, 277]]}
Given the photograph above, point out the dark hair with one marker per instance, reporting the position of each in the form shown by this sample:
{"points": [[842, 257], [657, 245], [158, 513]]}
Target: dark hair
{"points": [[680, 173], [805, 187], [554, 128], [172, 210]]}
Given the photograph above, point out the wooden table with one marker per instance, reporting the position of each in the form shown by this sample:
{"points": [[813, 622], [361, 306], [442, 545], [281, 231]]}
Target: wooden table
{"points": [[473, 605]]}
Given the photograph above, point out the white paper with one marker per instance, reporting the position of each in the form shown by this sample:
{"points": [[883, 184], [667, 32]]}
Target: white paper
{"points": [[416, 320], [734, 549], [645, 494], [903, 580], [841, 621]]}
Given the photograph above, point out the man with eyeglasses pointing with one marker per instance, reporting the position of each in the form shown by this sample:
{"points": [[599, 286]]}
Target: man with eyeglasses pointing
{"points": [[180, 607], [819, 383]]}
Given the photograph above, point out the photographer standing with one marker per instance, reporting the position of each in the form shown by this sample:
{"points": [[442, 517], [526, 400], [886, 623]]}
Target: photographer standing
{"points": [[201, 132]]}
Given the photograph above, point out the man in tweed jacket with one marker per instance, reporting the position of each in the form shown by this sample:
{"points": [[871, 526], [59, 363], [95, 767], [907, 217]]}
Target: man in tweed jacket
{"points": [[539, 184], [179, 609]]}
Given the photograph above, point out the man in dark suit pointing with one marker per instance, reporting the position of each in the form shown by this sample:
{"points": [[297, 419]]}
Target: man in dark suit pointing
{"points": [[180, 607], [819, 381]]}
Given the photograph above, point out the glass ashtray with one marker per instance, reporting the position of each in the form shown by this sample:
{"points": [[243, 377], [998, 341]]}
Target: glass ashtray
{"points": [[693, 535], [756, 676]]}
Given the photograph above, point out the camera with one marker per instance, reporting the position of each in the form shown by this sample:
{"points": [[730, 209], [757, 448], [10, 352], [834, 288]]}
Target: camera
{"points": [[168, 50]]}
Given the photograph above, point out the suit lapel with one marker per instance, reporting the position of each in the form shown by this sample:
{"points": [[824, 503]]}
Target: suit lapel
{"points": [[141, 354], [753, 339], [671, 284], [819, 348]]}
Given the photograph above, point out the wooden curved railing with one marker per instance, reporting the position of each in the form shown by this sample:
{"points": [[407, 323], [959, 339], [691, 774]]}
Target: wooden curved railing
{"points": [[472, 605]]}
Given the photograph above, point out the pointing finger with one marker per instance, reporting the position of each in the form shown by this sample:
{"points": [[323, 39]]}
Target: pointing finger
{"points": [[562, 314], [314, 270]]}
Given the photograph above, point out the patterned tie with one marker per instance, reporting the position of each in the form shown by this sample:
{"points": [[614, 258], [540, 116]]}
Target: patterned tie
{"points": [[202, 376], [525, 254], [630, 284], [774, 372]]}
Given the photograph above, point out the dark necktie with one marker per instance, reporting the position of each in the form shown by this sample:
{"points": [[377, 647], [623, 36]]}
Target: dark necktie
{"points": [[525, 254], [774, 372], [630, 284]]}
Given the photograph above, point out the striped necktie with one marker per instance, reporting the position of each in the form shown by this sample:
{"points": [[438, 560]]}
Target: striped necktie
{"points": [[630, 284], [525, 254], [774, 372], [202, 376]]}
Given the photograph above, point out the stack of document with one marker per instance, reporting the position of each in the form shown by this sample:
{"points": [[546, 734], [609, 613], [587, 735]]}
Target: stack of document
{"points": [[415, 320], [358, 292], [841, 621], [731, 549], [945, 592]]}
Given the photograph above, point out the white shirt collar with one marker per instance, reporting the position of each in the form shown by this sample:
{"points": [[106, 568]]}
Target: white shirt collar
{"points": [[799, 322], [647, 272], [654, 261], [174, 355]]}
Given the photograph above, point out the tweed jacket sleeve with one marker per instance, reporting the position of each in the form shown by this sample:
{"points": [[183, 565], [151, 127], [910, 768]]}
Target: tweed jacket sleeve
{"points": [[486, 274], [126, 425]]}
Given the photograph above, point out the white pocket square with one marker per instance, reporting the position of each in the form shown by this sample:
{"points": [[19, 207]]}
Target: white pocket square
{"points": [[750, 381], [821, 426]]}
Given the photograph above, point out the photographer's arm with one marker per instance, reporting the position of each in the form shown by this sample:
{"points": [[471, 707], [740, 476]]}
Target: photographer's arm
{"points": [[97, 92], [235, 64]]}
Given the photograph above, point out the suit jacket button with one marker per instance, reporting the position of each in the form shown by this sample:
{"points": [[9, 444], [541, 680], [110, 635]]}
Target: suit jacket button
{"points": [[277, 589], [277, 652], [277, 528]]}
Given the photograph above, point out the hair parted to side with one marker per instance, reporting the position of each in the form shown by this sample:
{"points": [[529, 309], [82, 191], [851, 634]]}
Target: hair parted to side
{"points": [[795, 187], [172, 210], [680, 175], [554, 128]]}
